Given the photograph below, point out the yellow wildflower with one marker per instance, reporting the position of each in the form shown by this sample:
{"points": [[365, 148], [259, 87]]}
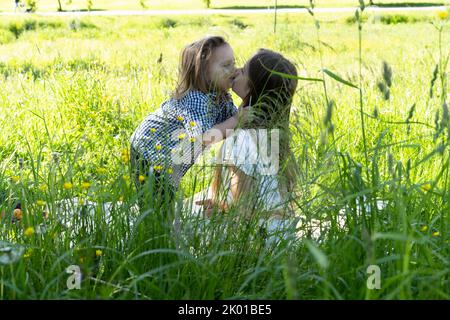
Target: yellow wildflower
{"points": [[157, 168], [152, 130], [426, 187], [81, 202], [29, 232], [443, 15], [68, 185], [158, 147], [85, 185], [424, 228], [182, 136], [192, 124], [15, 179], [180, 118], [121, 198], [43, 188], [436, 234], [98, 253], [125, 155], [126, 178], [170, 171], [192, 139], [141, 178], [40, 203]]}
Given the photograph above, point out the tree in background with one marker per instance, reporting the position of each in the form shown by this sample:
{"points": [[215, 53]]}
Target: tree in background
{"points": [[31, 5], [143, 4], [207, 3], [60, 8]]}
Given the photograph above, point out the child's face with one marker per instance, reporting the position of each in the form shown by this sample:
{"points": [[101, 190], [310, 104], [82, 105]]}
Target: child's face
{"points": [[240, 83], [221, 68]]}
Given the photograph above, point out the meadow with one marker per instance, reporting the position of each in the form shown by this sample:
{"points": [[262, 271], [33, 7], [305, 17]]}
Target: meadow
{"points": [[376, 127], [53, 5]]}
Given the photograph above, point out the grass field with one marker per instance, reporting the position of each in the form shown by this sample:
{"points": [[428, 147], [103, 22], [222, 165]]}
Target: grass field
{"points": [[52, 5], [73, 91]]}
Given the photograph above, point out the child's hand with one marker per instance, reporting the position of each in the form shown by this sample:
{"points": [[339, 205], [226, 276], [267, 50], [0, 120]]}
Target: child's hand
{"points": [[209, 207]]}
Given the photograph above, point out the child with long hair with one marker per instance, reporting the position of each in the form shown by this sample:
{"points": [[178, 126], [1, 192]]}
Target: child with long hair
{"points": [[200, 112]]}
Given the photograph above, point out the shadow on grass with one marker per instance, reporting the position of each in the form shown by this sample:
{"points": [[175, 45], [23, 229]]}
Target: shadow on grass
{"points": [[408, 4], [83, 10], [261, 7]]}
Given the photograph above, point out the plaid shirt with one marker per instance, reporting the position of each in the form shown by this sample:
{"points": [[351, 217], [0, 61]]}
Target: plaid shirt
{"points": [[169, 133]]}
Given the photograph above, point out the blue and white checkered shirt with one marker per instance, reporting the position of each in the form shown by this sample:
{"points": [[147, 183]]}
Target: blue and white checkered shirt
{"points": [[170, 131]]}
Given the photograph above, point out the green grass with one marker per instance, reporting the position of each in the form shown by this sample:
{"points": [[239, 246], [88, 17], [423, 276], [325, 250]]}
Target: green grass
{"points": [[73, 91], [52, 5]]}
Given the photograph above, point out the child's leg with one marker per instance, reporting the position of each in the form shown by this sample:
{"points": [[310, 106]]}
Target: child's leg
{"points": [[154, 188]]}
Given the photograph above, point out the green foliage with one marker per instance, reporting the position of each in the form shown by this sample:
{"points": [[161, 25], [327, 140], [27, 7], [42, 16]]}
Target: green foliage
{"points": [[70, 101], [207, 3], [168, 23]]}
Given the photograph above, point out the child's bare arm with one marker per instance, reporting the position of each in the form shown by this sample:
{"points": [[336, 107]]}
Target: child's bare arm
{"points": [[222, 130]]}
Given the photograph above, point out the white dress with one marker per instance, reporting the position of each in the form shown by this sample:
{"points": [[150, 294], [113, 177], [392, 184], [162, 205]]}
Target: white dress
{"points": [[250, 151]]}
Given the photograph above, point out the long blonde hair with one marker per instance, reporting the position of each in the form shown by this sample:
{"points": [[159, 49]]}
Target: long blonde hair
{"points": [[192, 72]]}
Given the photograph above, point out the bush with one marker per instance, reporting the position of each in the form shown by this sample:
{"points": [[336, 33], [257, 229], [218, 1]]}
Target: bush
{"points": [[168, 23], [397, 18], [16, 28], [238, 23], [31, 5], [5, 37]]}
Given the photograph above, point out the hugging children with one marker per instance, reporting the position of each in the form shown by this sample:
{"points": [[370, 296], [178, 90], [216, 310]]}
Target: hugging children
{"points": [[199, 107]]}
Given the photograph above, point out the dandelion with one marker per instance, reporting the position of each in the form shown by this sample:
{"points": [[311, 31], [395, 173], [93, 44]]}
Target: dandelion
{"points": [[141, 178], [98, 253], [125, 155], [29, 232], [43, 188], [86, 185], [192, 139], [158, 147], [443, 15], [157, 168], [181, 136], [152, 130], [180, 118], [68, 185], [436, 234], [192, 124], [426, 187], [424, 228], [17, 214], [170, 171], [40, 203], [15, 179]]}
